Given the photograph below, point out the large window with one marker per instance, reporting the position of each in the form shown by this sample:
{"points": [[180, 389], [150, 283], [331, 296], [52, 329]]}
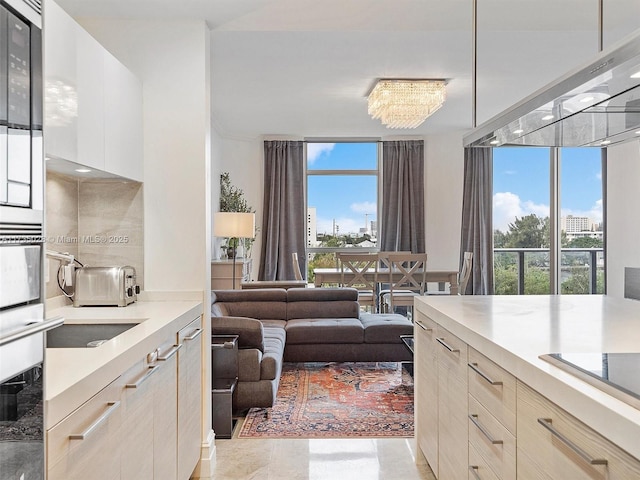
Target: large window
{"points": [[342, 199], [548, 224]]}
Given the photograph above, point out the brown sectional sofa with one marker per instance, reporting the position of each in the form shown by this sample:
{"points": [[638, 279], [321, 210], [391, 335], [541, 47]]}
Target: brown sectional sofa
{"points": [[300, 325]]}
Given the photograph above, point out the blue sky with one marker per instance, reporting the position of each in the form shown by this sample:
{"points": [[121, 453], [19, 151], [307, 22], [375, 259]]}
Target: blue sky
{"points": [[521, 183], [347, 199]]}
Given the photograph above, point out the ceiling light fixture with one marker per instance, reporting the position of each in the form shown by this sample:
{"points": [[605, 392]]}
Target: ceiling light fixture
{"points": [[405, 103], [547, 117]]}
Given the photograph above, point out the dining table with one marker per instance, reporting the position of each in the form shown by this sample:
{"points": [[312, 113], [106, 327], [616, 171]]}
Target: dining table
{"points": [[324, 276]]}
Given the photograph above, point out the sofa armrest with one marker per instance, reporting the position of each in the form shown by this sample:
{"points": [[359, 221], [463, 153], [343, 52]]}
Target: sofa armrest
{"points": [[249, 330]]}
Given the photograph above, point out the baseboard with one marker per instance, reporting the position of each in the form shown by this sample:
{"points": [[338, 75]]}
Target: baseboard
{"points": [[207, 463]]}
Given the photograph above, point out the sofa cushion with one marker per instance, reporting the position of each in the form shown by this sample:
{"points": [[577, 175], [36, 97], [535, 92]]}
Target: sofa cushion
{"points": [[324, 330], [322, 303], [385, 327], [249, 330], [269, 303], [249, 365]]}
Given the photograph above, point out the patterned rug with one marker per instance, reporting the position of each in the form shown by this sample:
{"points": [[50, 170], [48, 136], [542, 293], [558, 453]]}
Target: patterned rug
{"points": [[336, 400]]}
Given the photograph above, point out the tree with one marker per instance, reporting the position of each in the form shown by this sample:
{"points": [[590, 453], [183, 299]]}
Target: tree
{"points": [[585, 242], [529, 231]]}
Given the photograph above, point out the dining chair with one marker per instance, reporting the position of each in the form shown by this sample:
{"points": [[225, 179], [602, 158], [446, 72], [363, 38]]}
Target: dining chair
{"points": [[407, 275], [296, 266], [463, 277], [360, 271]]}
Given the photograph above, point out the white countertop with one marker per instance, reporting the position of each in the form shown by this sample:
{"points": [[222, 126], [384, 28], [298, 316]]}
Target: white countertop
{"points": [[514, 330], [72, 375]]}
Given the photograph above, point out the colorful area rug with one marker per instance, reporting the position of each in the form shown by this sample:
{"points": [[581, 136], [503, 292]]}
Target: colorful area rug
{"points": [[336, 400]]}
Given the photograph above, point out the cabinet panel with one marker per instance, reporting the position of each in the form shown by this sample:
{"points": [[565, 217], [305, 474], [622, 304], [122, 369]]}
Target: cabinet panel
{"points": [[492, 440], [560, 446], [478, 468], [86, 443], [122, 120], [189, 397], [493, 387], [453, 430], [60, 80], [165, 408], [426, 389], [90, 80], [137, 426]]}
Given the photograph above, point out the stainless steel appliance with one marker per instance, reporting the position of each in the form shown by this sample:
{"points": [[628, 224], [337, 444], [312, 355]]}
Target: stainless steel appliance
{"points": [[105, 286], [22, 319]]}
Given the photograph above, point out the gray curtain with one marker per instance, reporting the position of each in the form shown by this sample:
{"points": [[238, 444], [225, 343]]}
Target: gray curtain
{"points": [[402, 226], [283, 215], [477, 218]]}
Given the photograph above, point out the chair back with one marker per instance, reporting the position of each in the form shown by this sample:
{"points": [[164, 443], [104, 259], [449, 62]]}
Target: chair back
{"points": [[465, 272], [407, 271], [358, 270], [384, 257], [296, 266]]}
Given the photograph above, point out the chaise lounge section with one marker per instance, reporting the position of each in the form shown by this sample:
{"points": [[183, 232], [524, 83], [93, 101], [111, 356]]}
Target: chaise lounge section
{"points": [[300, 325]]}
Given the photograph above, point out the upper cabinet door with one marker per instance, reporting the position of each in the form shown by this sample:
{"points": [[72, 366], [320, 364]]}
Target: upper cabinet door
{"points": [[61, 88], [90, 75], [123, 120]]}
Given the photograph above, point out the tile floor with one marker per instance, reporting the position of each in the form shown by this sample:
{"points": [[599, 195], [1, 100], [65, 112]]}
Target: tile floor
{"points": [[320, 459]]}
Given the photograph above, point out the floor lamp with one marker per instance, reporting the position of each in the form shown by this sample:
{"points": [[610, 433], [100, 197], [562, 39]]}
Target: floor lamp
{"points": [[234, 225]]}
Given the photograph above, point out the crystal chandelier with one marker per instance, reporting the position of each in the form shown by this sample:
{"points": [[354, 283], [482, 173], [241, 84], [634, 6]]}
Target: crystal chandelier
{"points": [[405, 103]]}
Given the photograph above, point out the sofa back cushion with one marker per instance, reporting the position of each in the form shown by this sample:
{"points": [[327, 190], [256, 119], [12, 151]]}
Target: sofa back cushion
{"points": [[267, 304], [322, 303]]}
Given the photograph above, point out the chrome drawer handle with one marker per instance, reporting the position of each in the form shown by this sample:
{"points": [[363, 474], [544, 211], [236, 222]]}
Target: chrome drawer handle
{"points": [[447, 346], [547, 423], [423, 326], [485, 432], [474, 471], [32, 328], [113, 406], [194, 335], [141, 380], [474, 367], [170, 353]]}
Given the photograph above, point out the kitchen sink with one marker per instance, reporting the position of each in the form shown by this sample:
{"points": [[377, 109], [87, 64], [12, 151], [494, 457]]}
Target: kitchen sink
{"points": [[83, 335]]}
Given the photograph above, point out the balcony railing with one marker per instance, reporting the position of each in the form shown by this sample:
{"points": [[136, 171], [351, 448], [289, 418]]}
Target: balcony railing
{"points": [[525, 271]]}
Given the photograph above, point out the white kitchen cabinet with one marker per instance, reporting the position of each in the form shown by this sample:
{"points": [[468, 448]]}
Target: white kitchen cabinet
{"points": [[137, 422], [426, 388], [93, 103], [453, 430], [122, 120], [189, 397], [91, 90], [86, 444], [60, 82], [552, 444]]}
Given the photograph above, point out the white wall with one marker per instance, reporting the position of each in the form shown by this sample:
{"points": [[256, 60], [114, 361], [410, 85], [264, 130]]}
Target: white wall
{"points": [[623, 218], [443, 199], [444, 161], [172, 60]]}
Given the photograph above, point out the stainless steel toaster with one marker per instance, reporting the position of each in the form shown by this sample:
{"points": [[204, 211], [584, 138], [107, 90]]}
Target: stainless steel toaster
{"points": [[105, 286]]}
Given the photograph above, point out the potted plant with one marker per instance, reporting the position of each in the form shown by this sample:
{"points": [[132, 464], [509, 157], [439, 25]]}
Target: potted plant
{"points": [[232, 200]]}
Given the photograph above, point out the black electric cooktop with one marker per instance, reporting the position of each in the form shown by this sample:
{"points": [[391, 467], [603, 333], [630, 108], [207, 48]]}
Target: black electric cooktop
{"points": [[618, 374]]}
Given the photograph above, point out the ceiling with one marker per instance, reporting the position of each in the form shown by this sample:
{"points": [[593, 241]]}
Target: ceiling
{"points": [[304, 67]]}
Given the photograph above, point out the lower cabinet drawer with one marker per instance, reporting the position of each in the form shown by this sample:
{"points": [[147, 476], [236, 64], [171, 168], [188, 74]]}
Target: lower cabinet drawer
{"points": [[554, 444], [492, 441], [85, 444], [478, 468]]}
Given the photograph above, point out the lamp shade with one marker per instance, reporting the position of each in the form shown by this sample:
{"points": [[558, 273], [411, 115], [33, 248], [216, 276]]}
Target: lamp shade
{"points": [[234, 224]]}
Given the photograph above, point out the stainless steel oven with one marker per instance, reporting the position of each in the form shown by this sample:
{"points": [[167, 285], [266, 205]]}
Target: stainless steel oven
{"points": [[22, 313]]}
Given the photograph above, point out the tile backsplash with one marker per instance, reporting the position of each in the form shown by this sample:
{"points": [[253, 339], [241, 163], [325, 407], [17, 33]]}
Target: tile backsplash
{"points": [[100, 222]]}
